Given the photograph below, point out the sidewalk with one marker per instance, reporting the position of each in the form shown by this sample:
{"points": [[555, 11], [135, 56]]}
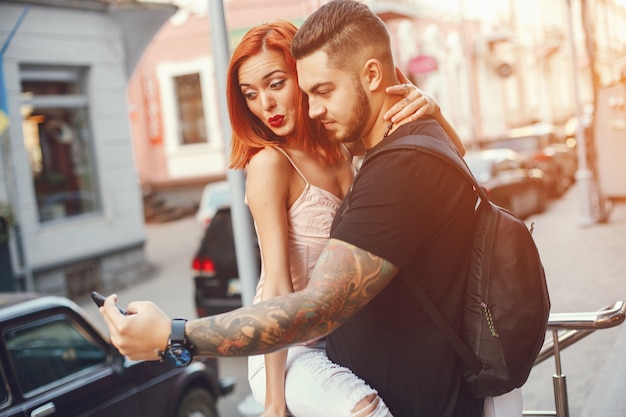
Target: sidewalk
{"points": [[586, 270]]}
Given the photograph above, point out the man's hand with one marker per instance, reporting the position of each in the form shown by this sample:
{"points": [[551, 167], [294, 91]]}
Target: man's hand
{"points": [[142, 333]]}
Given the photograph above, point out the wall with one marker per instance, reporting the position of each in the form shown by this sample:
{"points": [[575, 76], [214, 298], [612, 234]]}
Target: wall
{"points": [[57, 36]]}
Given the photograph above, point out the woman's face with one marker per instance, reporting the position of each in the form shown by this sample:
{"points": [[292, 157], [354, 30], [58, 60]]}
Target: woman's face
{"points": [[269, 87]]}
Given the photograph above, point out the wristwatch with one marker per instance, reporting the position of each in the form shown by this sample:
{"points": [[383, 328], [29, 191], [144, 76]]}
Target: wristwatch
{"points": [[178, 352]]}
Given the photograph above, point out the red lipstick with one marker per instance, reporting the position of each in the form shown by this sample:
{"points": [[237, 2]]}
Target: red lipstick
{"points": [[276, 121]]}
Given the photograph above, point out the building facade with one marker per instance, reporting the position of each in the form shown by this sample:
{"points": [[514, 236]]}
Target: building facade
{"points": [[178, 138], [491, 65], [67, 166], [79, 86]]}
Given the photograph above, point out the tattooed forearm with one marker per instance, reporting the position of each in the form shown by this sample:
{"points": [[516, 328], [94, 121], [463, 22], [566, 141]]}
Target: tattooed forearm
{"points": [[344, 280], [260, 328]]}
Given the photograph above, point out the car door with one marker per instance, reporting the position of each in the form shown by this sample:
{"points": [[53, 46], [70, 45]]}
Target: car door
{"points": [[5, 397], [61, 368]]}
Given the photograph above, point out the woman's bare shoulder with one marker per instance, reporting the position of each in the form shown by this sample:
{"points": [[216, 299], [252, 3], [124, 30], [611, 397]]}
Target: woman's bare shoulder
{"points": [[268, 179], [268, 158]]}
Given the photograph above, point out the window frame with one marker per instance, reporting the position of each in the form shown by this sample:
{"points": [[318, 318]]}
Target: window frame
{"points": [[166, 73], [58, 317], [77, 103]]}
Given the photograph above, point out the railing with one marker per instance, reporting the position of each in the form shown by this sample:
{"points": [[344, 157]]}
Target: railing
{"points": [[567, 329]]}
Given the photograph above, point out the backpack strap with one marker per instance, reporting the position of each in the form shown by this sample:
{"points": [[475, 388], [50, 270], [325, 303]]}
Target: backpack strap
{"points": [[441, 150], [444, 152], [470, 360]]}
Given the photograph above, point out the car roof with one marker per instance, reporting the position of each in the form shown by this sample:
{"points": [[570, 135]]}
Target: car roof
{"points": [[219, 185], [215, 191], [14, 304]]}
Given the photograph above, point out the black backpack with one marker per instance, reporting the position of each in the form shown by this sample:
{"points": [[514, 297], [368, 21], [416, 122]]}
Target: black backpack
{"points": [[506, 304]]}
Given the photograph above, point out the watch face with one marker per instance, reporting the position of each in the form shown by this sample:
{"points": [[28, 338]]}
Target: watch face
{"points": [[177, 355]]}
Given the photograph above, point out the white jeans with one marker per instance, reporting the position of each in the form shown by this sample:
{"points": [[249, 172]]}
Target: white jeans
{"points": [[314, 386], [506, 405]]}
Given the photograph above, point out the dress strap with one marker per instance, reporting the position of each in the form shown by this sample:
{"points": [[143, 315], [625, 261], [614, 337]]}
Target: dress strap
{"points": [[292, 163]]}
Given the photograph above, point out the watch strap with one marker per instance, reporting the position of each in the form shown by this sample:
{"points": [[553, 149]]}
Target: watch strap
{"points": [[178, 331]]}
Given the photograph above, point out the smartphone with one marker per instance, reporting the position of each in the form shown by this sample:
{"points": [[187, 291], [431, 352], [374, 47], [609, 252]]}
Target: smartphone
{"points": [[99, 300]]}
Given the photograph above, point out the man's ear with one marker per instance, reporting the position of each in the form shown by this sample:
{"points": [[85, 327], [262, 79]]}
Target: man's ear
{"points": [[373, 74]]}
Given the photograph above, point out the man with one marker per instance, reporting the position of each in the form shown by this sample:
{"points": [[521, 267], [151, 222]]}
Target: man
{"points": [[407, 214]]}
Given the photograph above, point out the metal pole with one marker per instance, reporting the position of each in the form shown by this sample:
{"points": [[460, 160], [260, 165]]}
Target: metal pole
{"points": [[242, 222], [584, 176], [558, 381]]}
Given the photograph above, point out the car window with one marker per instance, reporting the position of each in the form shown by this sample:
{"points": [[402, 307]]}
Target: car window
{"points": [[50, 350], [220, 232]]}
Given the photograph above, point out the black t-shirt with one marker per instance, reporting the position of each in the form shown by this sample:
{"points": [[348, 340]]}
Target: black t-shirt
{"points": [[416, 212]]}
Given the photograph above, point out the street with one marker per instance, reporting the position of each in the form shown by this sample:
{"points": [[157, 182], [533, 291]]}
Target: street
{"points": [[585, 269]]}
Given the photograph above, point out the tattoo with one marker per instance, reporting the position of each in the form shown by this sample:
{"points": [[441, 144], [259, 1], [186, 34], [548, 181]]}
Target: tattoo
{"points": [[344, 280]]}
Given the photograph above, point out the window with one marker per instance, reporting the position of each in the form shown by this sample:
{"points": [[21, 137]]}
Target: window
{"points": [[45, 352], [58, 141], [191, 135], [190, 109]]}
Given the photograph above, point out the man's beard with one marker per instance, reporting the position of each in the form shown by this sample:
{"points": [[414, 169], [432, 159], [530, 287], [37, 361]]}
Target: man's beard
{"points": [[360, 115]]}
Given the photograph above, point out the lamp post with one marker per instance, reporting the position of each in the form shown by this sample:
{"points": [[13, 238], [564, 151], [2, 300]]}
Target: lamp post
{"points": [[242, 222]]}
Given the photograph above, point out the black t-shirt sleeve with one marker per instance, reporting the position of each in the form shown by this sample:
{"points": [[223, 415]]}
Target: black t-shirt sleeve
{"points": [[391, 209]]}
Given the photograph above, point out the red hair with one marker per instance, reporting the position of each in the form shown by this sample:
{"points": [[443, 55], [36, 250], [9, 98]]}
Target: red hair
{"points": [[249, 134]]}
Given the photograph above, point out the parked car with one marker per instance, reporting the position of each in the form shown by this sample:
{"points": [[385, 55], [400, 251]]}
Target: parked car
{"points": [[53, 361], [543, 146], [214, 267], [214, 196], [508, 182]]}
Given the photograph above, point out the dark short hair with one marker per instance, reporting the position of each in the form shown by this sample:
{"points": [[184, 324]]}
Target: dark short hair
{"points": [[342, 28]]}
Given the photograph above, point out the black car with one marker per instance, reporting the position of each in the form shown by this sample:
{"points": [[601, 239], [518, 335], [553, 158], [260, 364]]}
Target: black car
{"points": [[54, 362], [542, 146], [508, 182], [214, 267]]}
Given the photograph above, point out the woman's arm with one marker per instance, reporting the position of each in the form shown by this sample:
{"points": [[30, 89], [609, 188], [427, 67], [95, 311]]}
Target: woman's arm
{"points": [[420, 103], [268, 184]]}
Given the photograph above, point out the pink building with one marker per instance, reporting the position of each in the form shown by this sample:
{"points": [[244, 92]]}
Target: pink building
{"points": [[177, 137]]}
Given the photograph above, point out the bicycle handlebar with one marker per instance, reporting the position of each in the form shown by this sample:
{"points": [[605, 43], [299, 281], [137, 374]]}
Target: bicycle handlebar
{"points": [[605, 318], [577, 326]]}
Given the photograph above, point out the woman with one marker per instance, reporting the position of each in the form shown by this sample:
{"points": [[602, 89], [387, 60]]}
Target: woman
{"points": [[296, 179]]}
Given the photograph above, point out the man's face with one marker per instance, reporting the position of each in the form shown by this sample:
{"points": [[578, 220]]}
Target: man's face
{"points": [[335, 98]]}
